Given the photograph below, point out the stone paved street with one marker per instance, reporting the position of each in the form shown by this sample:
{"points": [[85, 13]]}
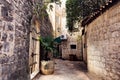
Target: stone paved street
{"points": [[66, 70]]}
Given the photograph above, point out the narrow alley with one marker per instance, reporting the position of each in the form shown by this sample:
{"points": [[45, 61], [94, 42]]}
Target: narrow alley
{"points": [[66, 70], [59, 39]]}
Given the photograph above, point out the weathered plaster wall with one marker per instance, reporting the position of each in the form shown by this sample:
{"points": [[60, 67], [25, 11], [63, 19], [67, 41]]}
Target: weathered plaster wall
{"points": [[103, 44], [14, 39]]}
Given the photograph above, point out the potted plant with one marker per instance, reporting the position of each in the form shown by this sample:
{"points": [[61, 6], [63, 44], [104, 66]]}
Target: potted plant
{"points": [[48, 45]]}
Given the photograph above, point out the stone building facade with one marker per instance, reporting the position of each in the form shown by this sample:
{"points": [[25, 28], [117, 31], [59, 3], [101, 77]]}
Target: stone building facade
{"points": [[15, 18], [71, 48], [102, 44]]}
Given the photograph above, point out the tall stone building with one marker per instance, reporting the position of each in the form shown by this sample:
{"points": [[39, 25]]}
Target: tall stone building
{"points": [[15, 18]]}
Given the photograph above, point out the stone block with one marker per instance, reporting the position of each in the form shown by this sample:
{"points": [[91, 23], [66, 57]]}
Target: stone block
{"points": [[19, 34], [6, 13], [4, 36], [5, 69], [10, 27], [6, 46], [12, 58], [13, 67], [3, 58], [11, 37]]}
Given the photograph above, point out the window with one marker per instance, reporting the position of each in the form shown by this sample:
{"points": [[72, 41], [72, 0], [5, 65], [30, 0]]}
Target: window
{"points": [[73, 46]]}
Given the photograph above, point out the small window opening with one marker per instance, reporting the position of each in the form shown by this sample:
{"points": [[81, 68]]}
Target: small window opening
{"points": [[73, 46]]}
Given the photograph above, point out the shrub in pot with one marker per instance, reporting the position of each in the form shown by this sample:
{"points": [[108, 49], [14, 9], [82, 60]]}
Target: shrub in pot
{"points": [[48, 45]]}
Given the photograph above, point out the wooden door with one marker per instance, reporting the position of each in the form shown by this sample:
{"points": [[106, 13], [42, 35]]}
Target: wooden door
{"points": [[34, 54]]}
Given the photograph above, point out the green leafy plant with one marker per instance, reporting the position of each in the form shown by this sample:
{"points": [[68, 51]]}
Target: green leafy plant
{"points": [[48, 45]]}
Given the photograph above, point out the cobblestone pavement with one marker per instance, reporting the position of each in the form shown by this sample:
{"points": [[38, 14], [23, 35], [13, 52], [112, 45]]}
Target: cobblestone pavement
{"points": [[66, 70]]}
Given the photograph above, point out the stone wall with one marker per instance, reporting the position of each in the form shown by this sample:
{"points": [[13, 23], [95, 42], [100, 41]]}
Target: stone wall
{"points": [[103, 44], [14, 39], [46, 28]]}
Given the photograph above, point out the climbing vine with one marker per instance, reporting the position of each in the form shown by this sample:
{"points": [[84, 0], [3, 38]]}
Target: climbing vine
{"points": [[77, 10]]}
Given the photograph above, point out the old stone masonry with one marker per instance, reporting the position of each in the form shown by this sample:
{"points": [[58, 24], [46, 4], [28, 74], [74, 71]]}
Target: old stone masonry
{"points": [[15, 18]]}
